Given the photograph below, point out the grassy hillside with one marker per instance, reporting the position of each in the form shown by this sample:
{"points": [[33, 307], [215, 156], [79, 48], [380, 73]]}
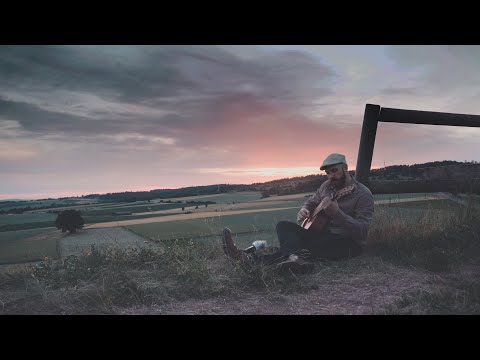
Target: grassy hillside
{"points": [[428, 263]]}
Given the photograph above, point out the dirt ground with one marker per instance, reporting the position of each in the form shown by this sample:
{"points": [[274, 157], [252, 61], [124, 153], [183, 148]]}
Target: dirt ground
{"points": [[331, 292], [370, 291], [364, 285]]}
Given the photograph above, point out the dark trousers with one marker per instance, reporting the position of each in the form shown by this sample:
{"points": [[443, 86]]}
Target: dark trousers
{"points": [[310, 244]]}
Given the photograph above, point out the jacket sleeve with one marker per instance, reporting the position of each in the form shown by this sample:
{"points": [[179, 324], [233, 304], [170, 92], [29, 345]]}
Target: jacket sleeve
{"points": [[312, 202], [358, 225]]}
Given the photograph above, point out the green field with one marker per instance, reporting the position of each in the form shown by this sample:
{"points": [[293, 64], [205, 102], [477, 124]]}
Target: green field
{"points": [[26, 218], [99, 213], [289, 197], [375, 196], [193, 228], [15, 246], [442, 204], [102, 212], [247, 227], [241, 196], [402, 196], [105, 218], [139, 204], [264, 205], [39, 203], [134, 209], [255, 226]]}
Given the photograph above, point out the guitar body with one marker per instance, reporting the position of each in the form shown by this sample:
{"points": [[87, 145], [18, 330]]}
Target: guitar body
{"points": [[319, 220], [317, 223]]}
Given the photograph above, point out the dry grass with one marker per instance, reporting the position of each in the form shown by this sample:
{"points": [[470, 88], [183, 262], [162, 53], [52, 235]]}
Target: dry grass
{"points": [[185, 278], [437, 240], [453, 294]]}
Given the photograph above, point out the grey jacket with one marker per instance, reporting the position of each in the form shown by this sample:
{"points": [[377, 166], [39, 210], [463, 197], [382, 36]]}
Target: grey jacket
{"points": [[355, 211]]}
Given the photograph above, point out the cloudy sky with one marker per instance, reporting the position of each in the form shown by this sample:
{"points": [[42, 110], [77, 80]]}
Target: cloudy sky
{"points": [[76, 120]]}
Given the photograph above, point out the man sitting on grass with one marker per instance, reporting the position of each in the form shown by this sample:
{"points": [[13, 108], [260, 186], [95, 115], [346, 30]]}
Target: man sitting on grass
{"points": [[344, 236]]}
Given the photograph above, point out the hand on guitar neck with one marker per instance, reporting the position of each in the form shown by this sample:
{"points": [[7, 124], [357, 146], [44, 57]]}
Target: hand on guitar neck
{"points": [[325, 210]]}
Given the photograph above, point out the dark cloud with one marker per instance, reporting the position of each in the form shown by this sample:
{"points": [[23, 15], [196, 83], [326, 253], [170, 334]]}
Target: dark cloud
{"points": [[37, 121], [91, 69], [144, 73], [191, 84], [34, 119]]}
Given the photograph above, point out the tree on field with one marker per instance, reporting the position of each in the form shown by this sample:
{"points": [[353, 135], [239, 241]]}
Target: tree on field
{"points": [[70, 220]]}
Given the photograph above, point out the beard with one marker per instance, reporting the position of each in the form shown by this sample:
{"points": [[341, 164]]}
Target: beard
{"points": [[340, 183]]}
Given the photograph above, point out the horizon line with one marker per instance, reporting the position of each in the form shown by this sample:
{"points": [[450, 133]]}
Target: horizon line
{"points": [[473, 162]]}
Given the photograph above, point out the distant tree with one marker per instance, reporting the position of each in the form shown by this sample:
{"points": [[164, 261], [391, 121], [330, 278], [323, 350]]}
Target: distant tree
{"points": [[70, 220], [183, 208], [206, 205], [265, 194]]}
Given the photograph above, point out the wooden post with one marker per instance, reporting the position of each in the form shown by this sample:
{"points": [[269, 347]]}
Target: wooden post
{"points": [[374, 114], [367, 142]]}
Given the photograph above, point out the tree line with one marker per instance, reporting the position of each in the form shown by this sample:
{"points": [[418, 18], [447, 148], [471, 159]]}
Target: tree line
{"points": [[132, 196], [21, 210]]}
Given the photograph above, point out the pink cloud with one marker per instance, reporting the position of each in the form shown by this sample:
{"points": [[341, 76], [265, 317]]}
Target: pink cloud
{"points": [[264, 135]]}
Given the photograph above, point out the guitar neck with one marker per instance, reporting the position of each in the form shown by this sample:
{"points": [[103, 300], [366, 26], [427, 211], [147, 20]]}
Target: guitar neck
{"points": [[336, 195], [345, 191]]}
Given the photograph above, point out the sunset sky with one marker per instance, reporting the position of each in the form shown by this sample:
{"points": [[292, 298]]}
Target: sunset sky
{"points": [[76, 120]]}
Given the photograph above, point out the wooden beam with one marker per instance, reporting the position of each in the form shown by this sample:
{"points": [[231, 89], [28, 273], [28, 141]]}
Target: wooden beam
{"points": [[374, 114], [428, 117]]}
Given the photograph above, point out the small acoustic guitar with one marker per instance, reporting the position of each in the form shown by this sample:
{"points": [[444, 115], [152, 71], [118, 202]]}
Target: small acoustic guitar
{"points": [[319, 220]]}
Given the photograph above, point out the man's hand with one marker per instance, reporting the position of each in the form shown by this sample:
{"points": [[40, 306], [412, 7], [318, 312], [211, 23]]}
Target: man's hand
{"points": [[303, 214], [329, 206]]}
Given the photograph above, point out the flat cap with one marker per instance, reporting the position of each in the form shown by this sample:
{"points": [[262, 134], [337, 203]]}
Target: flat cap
{"points": [[333, 159]]}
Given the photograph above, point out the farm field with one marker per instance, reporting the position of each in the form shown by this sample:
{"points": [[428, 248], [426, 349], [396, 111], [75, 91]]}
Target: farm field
{"points": [[182, 217], [241, 196], [26, 218], [253, 221], [28, 245], [276, 203], [250, 218], [39, 203], [80, 242]]}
